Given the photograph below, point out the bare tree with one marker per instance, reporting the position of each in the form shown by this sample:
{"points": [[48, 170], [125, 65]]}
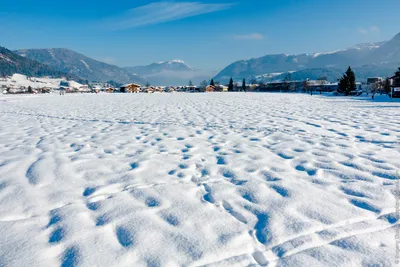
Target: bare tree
{"points": [[374, 88], [203, 85]]}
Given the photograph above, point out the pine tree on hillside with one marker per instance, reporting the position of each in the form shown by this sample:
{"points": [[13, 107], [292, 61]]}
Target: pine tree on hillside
{"points": [[244, 85], [397, 73], [190, 83], [230, 86], [212, 82], [348, 82]]}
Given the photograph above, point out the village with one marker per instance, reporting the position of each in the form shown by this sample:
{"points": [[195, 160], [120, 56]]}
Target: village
{"points": [[20, 84]]}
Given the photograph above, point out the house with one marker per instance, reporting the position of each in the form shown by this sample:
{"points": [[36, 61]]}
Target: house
{"points": [[110, 90], [84, 89], [280, 86], [221, 88], [210, 89], [395, 85], [190, 89], [159, 89], [45, 89], [130, 88]]}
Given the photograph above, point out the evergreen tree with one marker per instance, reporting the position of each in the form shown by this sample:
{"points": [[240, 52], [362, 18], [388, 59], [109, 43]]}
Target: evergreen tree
{"points": [[212, 82], [397, 73], [190, 83], [348, 82], [244, 85], [386, 85], [230, 86]]}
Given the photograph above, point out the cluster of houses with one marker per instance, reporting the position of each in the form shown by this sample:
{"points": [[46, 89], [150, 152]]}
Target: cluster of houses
{"points": [[373, 85]]}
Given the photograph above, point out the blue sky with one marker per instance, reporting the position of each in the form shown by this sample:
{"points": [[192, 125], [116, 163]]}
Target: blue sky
{"points": [[208, 34]]}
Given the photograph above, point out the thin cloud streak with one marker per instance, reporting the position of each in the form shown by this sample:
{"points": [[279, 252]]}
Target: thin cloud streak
{"points": [[372, 29], [251, 36], [160, 12]]}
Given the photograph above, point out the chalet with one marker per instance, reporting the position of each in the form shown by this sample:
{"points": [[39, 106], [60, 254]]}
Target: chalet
{"points": [[130, 88], [210, 89], [159, 89]]}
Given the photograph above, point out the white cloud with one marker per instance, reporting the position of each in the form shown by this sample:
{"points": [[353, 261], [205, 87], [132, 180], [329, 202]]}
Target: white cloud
{"points": [[370, 30], [159, 12], [363, 31], [251, 36]]}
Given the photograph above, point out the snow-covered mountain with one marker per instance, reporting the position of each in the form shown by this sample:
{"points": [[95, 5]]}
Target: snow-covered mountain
{"points": [[172, 65], [66, 60], [371, 54], [173, 72]]}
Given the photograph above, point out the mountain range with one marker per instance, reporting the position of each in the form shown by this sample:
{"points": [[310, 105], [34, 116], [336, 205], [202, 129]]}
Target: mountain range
{"points": [[367, 59], [68, 61], [173, 72], [11, 63]]}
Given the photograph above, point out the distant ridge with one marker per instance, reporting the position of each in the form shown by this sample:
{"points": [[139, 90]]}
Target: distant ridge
{"points": [[69, 61], [367, 58]]}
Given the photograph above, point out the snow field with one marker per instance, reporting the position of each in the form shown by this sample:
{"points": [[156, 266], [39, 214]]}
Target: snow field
{"points": [[236, 179]]}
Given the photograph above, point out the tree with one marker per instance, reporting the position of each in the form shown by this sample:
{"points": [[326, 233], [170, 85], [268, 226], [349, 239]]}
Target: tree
{"points": [[203, 85], [386, 85], [253, 81], [347, 83], [190, 83], [148, 84], [212, 82], [288, 77], [397, 73], [230, 86], [244, 85], [30, 90]]}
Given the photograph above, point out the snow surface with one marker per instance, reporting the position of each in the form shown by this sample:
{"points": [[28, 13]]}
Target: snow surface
{"points": [[18, 80], [236, 179]]}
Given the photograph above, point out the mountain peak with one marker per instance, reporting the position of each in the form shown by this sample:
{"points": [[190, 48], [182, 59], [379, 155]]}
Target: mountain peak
{"points": [[175, 64], [178, 61], [396, 37]]}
